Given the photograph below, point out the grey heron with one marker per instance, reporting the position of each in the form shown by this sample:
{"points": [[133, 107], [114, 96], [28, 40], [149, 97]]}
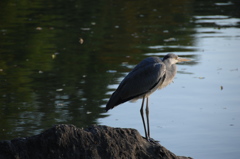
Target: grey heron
{"points": [[149, 75]]}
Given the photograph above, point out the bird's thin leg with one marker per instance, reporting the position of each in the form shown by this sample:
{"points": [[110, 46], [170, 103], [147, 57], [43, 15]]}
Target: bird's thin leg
{"points": [[148, 125], [147, 115], [142, 115]]}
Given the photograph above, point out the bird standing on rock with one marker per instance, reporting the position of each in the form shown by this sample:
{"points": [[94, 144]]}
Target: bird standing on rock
{"points": [[149, 75]]}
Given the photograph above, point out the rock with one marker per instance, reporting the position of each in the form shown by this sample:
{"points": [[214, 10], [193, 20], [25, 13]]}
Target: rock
{"points": [[69, 142]]}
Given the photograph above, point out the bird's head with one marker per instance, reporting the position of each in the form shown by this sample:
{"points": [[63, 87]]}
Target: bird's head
{"points": [[173, 59]]}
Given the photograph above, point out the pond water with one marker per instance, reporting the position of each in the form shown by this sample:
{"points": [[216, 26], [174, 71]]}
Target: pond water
{"points": [[60, 62]]}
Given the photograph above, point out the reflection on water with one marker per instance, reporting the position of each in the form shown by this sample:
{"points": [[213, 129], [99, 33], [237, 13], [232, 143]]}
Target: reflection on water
{"points": [[48, 76]]}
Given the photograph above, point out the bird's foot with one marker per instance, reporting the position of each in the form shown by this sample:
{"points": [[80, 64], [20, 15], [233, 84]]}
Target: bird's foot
{"points": [[151, 140]]}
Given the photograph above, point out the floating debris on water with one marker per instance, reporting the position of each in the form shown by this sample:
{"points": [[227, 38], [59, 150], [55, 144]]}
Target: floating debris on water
{"points": [[38, 28], [59, 90], [81, 41]]}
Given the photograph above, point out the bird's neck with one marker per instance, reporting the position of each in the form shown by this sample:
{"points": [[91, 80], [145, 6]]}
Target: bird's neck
{"points": [[172, 70]]}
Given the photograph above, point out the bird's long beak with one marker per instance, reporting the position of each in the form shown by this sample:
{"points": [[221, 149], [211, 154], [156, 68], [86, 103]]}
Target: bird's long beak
{"points": [[182, 59]]}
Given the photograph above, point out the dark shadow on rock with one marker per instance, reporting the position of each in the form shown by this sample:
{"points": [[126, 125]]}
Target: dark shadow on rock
{"points": [[69, 142]]}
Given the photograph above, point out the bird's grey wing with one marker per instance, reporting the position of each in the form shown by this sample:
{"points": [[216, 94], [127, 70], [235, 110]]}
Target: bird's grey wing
{"points": [[138, 82]]}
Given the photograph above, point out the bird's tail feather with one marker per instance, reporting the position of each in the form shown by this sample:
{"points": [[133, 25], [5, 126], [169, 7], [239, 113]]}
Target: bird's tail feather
{"points": [[114, 101]]}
